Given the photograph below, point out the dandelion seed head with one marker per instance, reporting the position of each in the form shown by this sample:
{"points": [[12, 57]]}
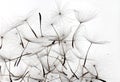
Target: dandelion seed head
{"points": [[85, 12], [95, 40]]}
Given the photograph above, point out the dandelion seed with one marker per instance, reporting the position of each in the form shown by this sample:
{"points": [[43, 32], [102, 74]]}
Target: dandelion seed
{"points": [[85, 13], [62, 14]]}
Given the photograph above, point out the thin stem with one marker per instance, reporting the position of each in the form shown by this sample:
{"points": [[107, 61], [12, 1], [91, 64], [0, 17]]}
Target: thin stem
{"points": [[32, 30], [20, 38], [73, 72], [64, 55], [56, 32], [95, 70], [48, 56], [41, 65], [85, 60], [40, 19], [73, 38], [18, 59], [9, 73], [87, 54], [1, 42]]}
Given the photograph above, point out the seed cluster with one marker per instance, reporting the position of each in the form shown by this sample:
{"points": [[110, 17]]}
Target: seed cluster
{"points": [[47, 54]]}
